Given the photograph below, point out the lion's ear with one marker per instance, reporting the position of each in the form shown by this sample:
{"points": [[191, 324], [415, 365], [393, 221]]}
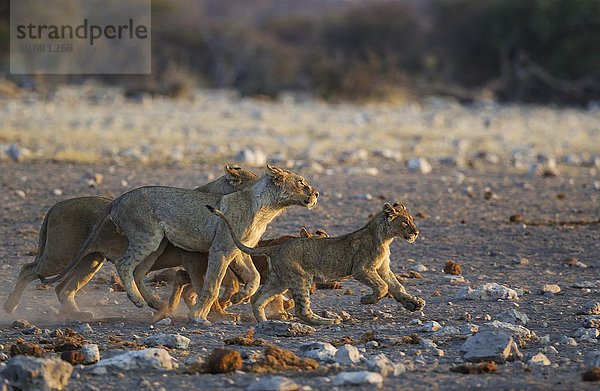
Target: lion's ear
{"points": [[321, 233], [398, 204], [276, 174], [304, 233], [389, 211], [233, 173]]}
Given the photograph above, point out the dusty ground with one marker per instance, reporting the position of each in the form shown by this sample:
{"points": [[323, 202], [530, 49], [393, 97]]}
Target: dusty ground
{"points": [[458, 223]]}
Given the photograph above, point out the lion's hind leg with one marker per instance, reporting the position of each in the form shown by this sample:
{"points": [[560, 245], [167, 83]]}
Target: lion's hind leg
{"points": [[300, 290], [27, 274], [265, 295]]}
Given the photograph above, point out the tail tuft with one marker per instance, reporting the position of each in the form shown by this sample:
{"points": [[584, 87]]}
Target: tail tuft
{"points": [[211, 209]]}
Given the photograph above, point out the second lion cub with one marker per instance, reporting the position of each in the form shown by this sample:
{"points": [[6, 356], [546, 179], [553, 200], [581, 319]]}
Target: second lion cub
{"points": [[363, 254]]}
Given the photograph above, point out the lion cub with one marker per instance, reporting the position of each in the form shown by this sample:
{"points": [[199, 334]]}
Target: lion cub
{"points": [[363, 254]]}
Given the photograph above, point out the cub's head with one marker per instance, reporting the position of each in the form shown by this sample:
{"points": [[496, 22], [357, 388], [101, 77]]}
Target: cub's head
{"points": [[400, 222], [292, 189], [319, 233], [238, 177]]}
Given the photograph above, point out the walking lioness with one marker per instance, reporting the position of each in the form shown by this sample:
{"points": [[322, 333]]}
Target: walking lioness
{"points": [[363, 254], [149, 216], [67, 225]]}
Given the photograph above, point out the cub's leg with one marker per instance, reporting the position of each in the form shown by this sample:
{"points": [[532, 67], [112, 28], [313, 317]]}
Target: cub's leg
{"points": [[408, 301], [74, 281], [218, 260], [231, 286], [278, 307], [245, 268], [181, 281], [264, 295], [189, 295], [300, 289], [141, 271], [27, 274], [136, 252], [371, 279]]}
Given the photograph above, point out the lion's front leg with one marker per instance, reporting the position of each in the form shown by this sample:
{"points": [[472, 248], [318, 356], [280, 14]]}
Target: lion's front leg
{"points": [[408, 301], [245, 269]]}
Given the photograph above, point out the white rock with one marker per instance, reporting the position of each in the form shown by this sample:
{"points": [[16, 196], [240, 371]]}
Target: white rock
{"points": [[139, 359], [372, 344], [347, 355], [430, 326], [85, 329], [381, 364], [91, 353], [550, 349], [488, 292], [37, 374], [389, 154], [273, 383], [513, 316], [427, 343], [419, 268], [173, 341], [521, 334], [592, 359], [540, 360], [163, 322], [592, 321], [253, 157], [448, 331], [438, 352], [552, 288], [419, 164], [357, 378], [283, 329], [495, 346], [320, 351]]}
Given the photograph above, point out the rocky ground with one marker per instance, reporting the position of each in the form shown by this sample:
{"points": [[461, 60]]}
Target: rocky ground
{"points": [[527, 244]]}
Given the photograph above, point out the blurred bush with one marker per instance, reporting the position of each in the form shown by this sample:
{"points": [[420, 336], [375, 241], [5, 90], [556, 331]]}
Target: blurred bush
{"points": [[518, 50]]}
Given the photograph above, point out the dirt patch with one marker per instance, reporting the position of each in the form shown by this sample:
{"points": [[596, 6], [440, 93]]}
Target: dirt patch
{"points": [[473, 369], [64, 340], [123, 344], [452, 268], [277, 359], [21, 347], [246, 339], [223, 360]]}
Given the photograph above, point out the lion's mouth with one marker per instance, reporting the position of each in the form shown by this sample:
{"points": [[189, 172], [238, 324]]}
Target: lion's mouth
{"points": [[411, 238], [309, 203]]}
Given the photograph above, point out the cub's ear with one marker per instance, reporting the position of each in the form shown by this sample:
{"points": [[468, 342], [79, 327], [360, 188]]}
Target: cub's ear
{"points": [[304, 233], [398, 204], [276, 173], [321, 233], [233, 173], [389, 211]]}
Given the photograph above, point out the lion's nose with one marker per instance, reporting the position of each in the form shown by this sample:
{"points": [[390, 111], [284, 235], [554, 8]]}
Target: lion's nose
{"points": [[316, 194]]}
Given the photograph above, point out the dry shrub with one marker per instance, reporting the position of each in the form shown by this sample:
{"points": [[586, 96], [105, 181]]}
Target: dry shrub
{"points": [[277, 359], [65, 341], [246, 339], [123, 344], [223, 360], [20, 347], [452, 268]]}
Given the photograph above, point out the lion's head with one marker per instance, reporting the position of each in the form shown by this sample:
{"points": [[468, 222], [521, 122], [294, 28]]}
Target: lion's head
{"points": [[400, 221], [293, 189]]}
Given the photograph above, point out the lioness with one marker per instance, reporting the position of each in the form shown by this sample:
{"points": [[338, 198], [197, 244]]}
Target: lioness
{"points": [[149, 216], [182, 284], [363, 254], [68, 223]]}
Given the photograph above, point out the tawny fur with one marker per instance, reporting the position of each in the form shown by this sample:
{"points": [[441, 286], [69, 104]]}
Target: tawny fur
{"points": [[363, 254], [67, 225]]}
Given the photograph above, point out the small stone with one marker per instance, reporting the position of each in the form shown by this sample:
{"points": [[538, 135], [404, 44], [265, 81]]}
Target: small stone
{"points": [[513, 316], [416, 321], [17, 153], [173, 341], [224, 361], [320, 351], [139, 359], [4, 357], [389, 154], [357, 378], [592, 321], [520, 333], [568, 341], [21, 193], [85, 329], [427, 343], [97, 371], [283, 329], [21, 324], [57, 192], [381, 364], [592, 359], [419, 164], [452, 268], [273, 383], [550, 349], [545, 340], [420, 268], [91, 354], [347, 355], [372, 344], [539, 360], [573, 262], [496, 346], [552, 288], [488, 292], [163, 322], [438, 352], [430, 326], [586, 334], [31, 373], [73, 357], [365, 196], [520, 261]]}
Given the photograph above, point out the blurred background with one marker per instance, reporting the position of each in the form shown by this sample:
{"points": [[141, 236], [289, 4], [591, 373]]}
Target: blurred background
{"points": [[512, 50]]}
